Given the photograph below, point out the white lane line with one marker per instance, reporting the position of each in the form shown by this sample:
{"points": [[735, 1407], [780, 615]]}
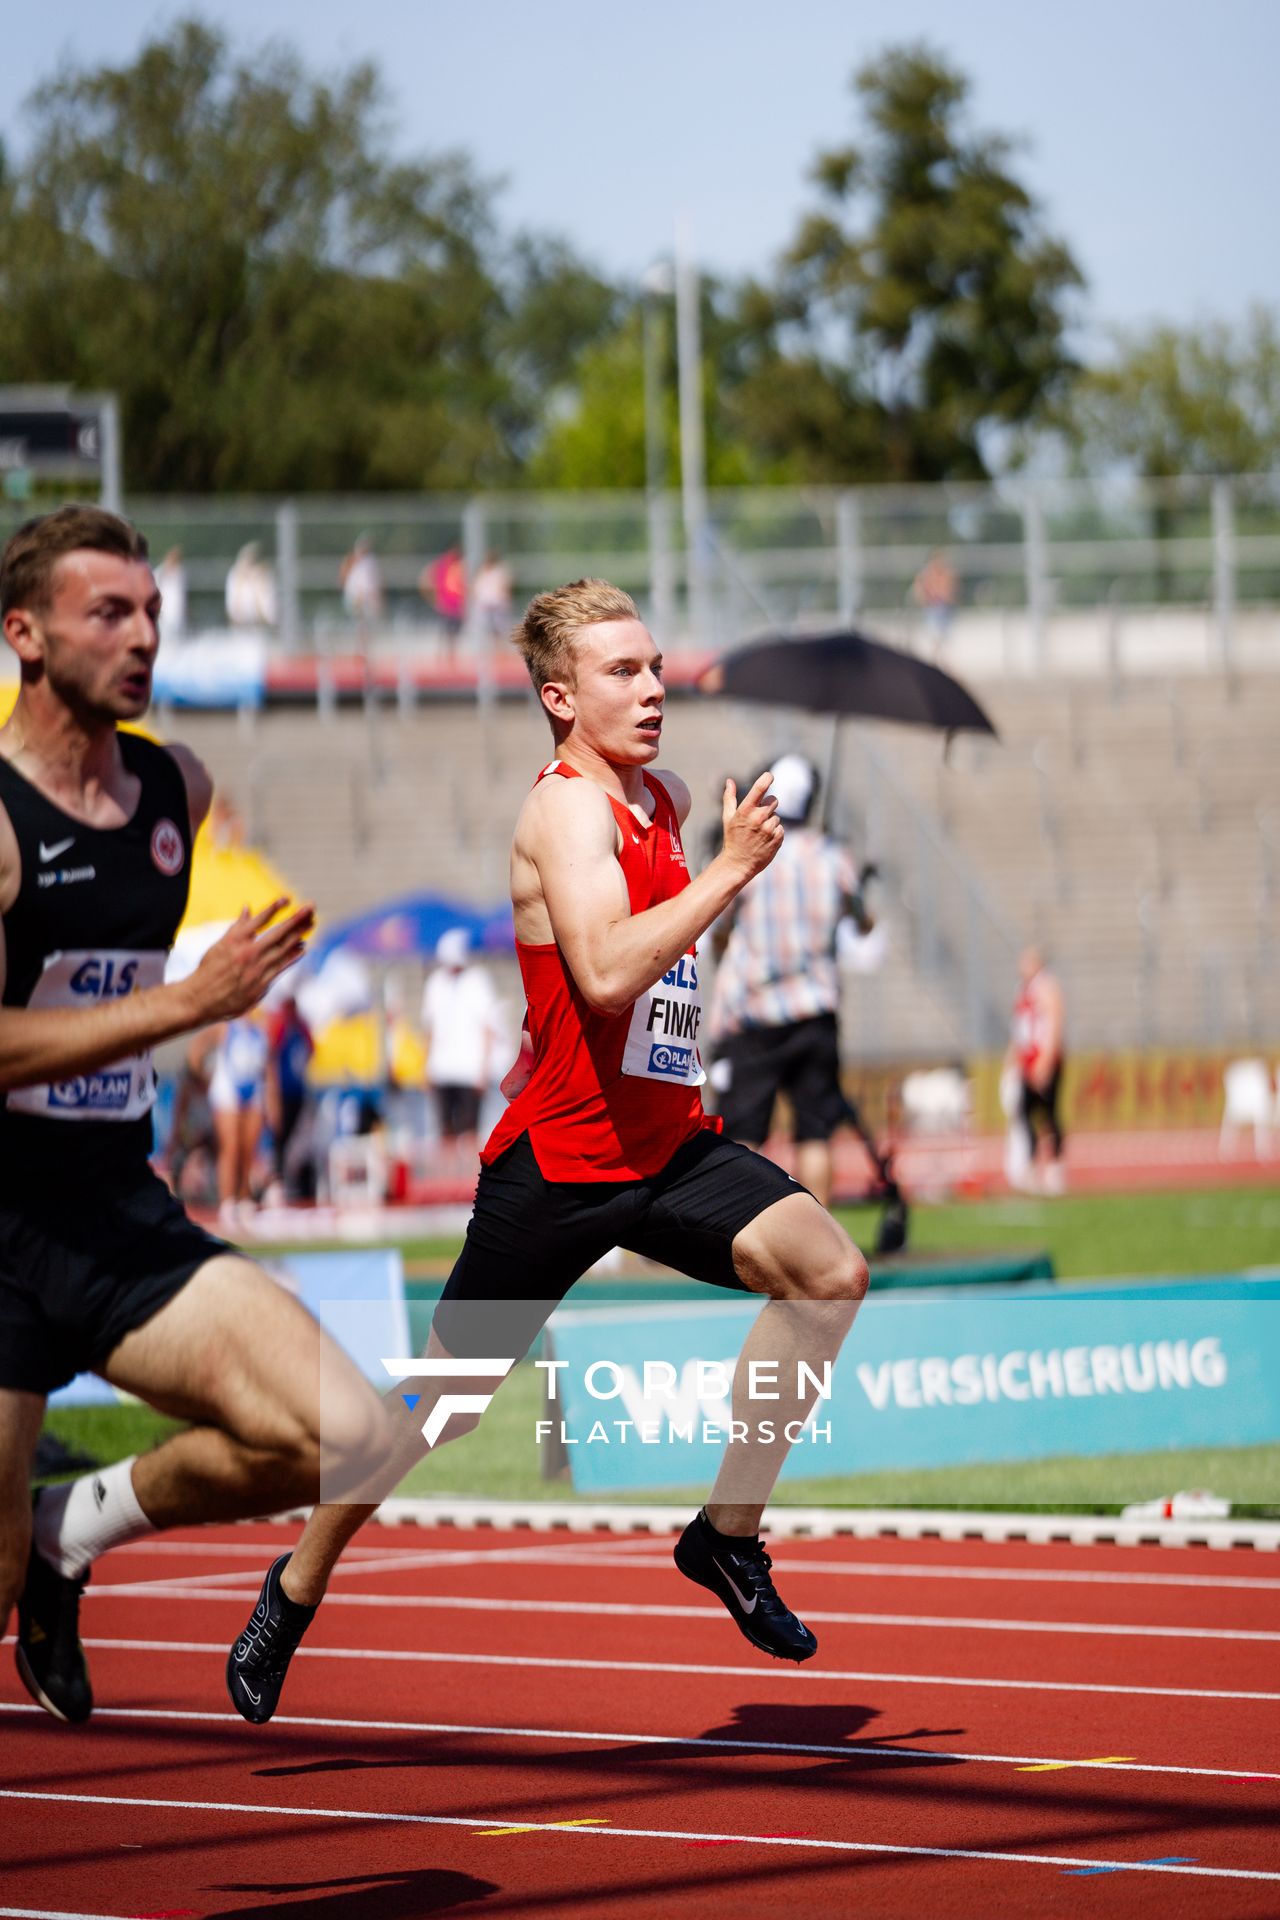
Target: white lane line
{"points": [[921, 1570], [473, 1822], [192, 1585], [776, 1671], [383, 1559], [477, 1603], [847, 1752], [57, 1913]]}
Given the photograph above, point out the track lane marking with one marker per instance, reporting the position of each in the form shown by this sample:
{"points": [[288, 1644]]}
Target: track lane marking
{"points": [[608, 1553], [952, 1570], [58, 1913], [541, 1826], [484, 1603], [776, 1672], [379, 1559], [476, 1823], [1028, 1762]]}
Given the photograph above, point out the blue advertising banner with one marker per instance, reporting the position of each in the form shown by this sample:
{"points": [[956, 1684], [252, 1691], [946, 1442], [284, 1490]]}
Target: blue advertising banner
{"points": [[226, 669], [641, 1394]]}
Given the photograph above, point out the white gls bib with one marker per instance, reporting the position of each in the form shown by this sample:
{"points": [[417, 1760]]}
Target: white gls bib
{"points": [[125, 1090], [662, 1040]]}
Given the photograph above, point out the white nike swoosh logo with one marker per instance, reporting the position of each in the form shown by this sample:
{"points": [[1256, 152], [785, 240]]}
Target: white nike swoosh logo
{"points": [[748, 1606], [255, 1697], [59, 846]]}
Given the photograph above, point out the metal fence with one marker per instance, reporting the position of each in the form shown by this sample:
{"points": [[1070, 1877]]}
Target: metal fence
{"points": [[1037, 548]]}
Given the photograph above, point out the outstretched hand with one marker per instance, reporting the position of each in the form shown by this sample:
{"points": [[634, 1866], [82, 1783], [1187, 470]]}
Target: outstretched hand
{"points": [[238, 969], [752, 829]]}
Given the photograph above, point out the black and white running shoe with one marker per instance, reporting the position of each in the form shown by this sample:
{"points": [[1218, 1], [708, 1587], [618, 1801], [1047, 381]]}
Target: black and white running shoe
{"points": [[737, 1572], [49, 1657], [259, 1660]]}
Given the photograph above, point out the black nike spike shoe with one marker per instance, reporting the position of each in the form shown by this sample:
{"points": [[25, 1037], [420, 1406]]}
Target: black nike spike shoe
{"points": [[737, 1572], [259, 1660], [49, 1657]]}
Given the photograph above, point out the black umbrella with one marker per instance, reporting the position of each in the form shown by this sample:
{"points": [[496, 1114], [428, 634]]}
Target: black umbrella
{"points": [[846, 673]]}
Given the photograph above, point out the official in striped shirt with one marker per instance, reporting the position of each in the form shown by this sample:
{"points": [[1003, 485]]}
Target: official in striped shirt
{"points": [[773, 1017]]}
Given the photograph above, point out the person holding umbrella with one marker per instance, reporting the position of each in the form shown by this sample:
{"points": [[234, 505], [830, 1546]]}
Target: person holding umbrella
{"points": [[774, 1012]]}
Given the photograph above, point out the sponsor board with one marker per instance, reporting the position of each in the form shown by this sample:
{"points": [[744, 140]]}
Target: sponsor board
{"points": [[924, 1381]]}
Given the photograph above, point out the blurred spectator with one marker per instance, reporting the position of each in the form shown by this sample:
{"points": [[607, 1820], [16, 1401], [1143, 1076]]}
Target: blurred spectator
{"points": [[360, 577], [934, 590], [237, 1095], [226, 827], [492, 592], [290, 1049], [462, 1021], [171, 578], [444, 582], [189, 1161], [1036, 1051], [251, 589], [777, 990]]}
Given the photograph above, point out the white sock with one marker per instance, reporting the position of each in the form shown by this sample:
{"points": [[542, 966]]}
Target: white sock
{"points": [[76, 1522]]}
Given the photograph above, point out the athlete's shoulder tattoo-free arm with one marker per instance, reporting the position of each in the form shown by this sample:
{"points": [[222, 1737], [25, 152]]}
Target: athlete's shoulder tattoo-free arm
{"points": [[569, 832], [572, 839]]}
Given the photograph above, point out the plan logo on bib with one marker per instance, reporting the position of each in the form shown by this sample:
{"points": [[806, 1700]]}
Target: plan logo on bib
{"points": [[677, 1062]]}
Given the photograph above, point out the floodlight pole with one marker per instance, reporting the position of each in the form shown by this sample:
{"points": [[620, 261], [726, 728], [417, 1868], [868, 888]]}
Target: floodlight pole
{"points": [[111, 492], [657, 286], [693, 455]]}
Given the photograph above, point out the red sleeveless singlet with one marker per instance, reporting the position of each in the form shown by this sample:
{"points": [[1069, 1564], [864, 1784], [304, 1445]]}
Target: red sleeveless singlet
{"points": [[588, 1115]]}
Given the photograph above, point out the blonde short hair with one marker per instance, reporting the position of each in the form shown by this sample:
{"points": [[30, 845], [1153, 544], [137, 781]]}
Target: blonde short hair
{"points": [[552, 621]]}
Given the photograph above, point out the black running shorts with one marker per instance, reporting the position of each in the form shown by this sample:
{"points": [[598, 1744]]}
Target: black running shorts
{"points": [[801, 1060], [530, 1238], [81, 1265]]}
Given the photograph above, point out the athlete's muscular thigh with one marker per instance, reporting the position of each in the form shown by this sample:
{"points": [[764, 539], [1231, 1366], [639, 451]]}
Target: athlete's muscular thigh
{"points": [[794, 1250], [233, 1349], [20, 1418]]}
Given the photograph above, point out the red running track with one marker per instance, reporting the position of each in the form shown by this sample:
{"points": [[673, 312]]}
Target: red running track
{"points": [[501, 1724]]}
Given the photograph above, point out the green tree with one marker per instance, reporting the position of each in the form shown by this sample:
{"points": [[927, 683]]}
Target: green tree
{"points": [[921, 308], [594, 434], [229, 243], [1202, 399]]}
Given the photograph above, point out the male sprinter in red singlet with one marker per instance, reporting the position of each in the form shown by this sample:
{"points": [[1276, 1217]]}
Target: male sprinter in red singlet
{"points": [[605, 1142]]}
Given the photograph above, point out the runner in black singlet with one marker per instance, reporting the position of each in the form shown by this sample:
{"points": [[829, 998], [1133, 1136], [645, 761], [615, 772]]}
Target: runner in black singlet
{"points": [[100, 1268]]}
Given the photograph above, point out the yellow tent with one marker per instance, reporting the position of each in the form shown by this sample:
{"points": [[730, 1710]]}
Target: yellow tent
{"points": [[226, 879]]}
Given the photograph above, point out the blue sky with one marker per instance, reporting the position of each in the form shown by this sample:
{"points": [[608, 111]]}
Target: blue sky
{"points": [[1148, 124]]}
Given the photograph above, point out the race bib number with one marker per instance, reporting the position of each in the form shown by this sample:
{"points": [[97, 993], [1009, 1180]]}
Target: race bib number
{"points": [[662, 1040], [125, 1090]]}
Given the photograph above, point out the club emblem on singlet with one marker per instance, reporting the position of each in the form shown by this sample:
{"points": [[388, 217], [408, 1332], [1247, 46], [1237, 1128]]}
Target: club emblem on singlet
{"points": [[166, 848]]}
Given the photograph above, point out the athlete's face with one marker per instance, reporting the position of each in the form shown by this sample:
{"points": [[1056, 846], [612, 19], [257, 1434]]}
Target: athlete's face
{"points": [[615, 704], [97, 638]]}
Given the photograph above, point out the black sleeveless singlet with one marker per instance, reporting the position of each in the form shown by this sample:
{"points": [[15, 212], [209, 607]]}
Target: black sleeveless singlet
{"points": [[95, 915]]}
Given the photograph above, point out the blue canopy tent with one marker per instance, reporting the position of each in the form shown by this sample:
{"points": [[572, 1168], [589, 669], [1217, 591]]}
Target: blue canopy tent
{"points": [[408, 928]]}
